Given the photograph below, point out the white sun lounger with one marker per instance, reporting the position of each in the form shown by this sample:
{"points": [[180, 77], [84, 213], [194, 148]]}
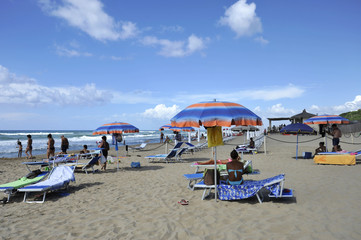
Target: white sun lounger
{"points": [[59, 178]]}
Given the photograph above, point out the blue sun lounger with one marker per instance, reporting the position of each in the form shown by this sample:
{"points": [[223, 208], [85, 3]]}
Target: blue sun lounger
{"points": [[249, 189], [59, 178], [166, 157]]}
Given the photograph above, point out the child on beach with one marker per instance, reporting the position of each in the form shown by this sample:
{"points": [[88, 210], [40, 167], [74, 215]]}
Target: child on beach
{"points": [[20, 153]]}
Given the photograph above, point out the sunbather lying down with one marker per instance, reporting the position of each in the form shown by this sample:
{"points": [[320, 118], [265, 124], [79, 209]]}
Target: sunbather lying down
{"points": [[211, 161]]}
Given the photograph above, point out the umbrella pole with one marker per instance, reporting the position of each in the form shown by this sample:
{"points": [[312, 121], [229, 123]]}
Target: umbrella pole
{"points": [[117, 160], [297, 148], [215, 173]]}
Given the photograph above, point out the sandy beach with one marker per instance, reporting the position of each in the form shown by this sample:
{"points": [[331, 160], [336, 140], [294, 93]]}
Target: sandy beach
{"points": [[143, 203]]}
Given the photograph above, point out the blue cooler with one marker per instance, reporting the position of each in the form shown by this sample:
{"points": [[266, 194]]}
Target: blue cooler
{"points": [[307, 155]]}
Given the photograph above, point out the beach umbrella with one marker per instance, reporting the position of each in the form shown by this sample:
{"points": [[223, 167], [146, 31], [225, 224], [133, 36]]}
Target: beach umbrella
{"points": [[184, 129], [325, 120], [215, 114], [116, 129], [297, 128], [167, 126]]}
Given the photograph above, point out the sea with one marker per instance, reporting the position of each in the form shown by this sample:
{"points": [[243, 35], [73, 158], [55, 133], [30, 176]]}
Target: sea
{"points": [[76, 138]]}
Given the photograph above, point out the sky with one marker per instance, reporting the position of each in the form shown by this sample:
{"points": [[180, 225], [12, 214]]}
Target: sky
{"points": [[77, 64]]}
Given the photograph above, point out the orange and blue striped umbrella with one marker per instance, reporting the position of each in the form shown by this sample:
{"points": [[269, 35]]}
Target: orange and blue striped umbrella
{"points": [[184, 129], [326, 119], [167, 126], [213, 113], [116, 127]]}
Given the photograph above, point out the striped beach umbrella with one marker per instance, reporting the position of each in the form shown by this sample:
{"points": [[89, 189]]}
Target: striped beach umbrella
{"points": [[167, 126], [184, 129], [326, 119], [116, 127], [212, 114]]}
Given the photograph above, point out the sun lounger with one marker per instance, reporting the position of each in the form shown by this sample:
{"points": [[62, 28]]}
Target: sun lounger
{"points": [[248, 189], [193, 179], [58, 178], [33, 177], [166, 157], [84, 166], [251, 188], [246, 164], [140, 147]]}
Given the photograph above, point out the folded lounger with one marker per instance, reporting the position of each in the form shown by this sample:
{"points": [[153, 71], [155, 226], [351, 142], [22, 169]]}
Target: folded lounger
{"points": [[166, 157], [33, 177], [58, 178], [140, 147], [248, 189]]}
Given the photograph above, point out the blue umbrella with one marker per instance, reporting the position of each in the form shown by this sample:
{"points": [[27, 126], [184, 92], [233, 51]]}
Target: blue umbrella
{"points": [[297, 128]]}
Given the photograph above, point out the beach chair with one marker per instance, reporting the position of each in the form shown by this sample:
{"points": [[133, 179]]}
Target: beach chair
{"points": [[248, 189], [10, 188], [84, 166], [140, 147], [193, 179], [166, 157], [58, 178]]}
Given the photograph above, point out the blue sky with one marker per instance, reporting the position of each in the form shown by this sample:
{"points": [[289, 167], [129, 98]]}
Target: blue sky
{"points": [[76, 64]]}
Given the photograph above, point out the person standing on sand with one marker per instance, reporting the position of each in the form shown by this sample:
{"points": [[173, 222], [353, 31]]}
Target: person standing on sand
{"points": [[20, 152], [29, 147], [64, 144], [105, 148], [161, 137], [51, 148], [336, 133]]}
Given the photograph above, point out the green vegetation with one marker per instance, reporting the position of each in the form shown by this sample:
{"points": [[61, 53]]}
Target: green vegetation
{"points": [[352, 116]]}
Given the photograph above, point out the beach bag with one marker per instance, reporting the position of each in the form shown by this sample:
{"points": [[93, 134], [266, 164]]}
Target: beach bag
{"points": [[135, 164], [208, 177], [103, 159]]}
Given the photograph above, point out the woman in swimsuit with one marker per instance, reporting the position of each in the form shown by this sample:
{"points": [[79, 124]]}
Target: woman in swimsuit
{"points": [[51, 148], [235, 169], [29, 147]]}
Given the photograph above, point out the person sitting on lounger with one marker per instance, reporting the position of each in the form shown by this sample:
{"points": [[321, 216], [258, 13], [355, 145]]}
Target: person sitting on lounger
{"points": [[84, 150], [235, 169], [321, 148], [251, 143]]}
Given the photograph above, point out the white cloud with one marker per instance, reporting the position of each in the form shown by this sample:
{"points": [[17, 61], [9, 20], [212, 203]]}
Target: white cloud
{"points": [[161, 111], [23, 90], [289, 91], [88, 16], [267, 94], [242, 19], [279, 110], [338, 109], [175, 28], [261, 40], [63, 51], [176, 48]]}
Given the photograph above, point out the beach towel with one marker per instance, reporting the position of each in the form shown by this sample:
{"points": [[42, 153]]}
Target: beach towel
{"points": [[214, 135]]}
